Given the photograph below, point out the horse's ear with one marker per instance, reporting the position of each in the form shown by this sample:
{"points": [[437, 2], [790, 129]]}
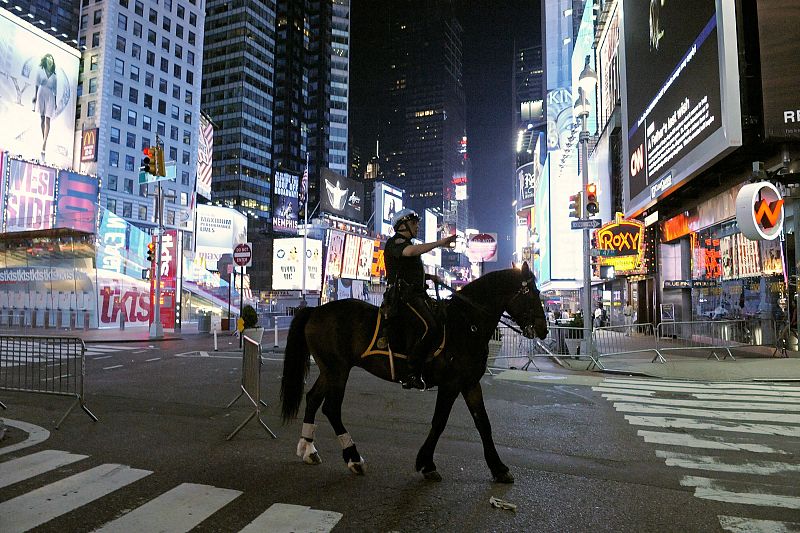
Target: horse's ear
{"points": [[526, 271]]}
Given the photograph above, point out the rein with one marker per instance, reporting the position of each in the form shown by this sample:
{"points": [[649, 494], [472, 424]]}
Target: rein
{"points": [[503, 318]]}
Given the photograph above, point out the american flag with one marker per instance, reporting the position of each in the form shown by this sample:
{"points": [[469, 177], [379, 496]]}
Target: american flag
{"points": [[304, 188]]}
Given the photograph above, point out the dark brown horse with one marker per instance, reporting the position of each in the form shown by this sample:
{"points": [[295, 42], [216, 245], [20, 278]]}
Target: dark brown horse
{"points": [[342, 334]]}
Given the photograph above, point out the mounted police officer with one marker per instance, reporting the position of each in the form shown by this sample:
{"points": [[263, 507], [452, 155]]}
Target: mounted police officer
{"points": [[406, 277]]}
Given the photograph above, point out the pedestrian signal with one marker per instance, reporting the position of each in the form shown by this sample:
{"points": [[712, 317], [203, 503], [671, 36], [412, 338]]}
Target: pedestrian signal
{"points": [[591, 199], [575, 202], [151, 252], [149, 161]]}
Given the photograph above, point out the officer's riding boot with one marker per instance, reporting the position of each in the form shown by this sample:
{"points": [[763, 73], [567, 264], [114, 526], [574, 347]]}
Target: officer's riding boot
{"points": [[414, 378]]}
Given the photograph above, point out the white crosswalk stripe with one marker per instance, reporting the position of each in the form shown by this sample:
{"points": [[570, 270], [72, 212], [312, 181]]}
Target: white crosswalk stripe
{"points": [[756, 426], [179, 509]]}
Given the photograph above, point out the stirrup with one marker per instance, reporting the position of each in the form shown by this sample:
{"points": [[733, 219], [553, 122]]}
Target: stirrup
{"points": [[414, 382]]}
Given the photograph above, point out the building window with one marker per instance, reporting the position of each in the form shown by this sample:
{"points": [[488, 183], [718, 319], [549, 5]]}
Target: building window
{"points": [[136, 51], [95, 39], [112, 182], [127, 209], [145, 121], [84, 20], [187, 137], [181, 12], [117, 89], [165, 44], [153, 16], [166, 23], [173, 133], [98, 16], [176, 71], [189, 77], [178, 51], [190, 57], [184, 177], [175, 112], [148, 101], [151, 37], [185, 160], [143, 189], [168, 5], [187, 117], [176, 91], [173, 154], [188, 98], [191, 38], [161, 128], [82, 42], [171, 217], [132, 117], [145, 142], [121, 43], [122, 23], [149, 79], [133, 96], [138, 8], [113, 159], [130, 140], [142, 212], [162, 107], [119, 67], [114, 135], [93, 62], [123, 3], [134, 70], [129, 186], [164, 64], [129, 163], [116, 112], [185, 199], [193, 19], [137, 30], [111, 205], [91, 107], [162, 86], [92, 85]]}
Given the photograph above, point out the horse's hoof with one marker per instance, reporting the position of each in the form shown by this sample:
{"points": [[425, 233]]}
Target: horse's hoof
{"points": [[358, 468], [313, 459], [433, 475], [505, 477]]}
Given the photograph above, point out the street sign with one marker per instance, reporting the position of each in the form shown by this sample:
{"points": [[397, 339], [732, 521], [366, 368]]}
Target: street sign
{"points": [[586, 223], [603, 252], [243, 254], [145, 178]]}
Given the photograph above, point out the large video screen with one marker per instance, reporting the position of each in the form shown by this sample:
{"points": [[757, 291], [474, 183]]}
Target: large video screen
{"points": [[37, 93], [30, 196], [676, 122], [341, 196]]}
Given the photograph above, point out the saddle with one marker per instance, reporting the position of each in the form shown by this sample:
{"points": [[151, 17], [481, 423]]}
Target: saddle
{"points": [[391, 340]]}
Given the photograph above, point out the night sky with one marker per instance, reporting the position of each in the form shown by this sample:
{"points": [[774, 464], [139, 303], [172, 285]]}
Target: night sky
{"points": [[490, 29]]}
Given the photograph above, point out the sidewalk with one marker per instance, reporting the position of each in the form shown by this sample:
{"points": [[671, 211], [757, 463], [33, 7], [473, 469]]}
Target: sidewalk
{"points": [[137, 334]]}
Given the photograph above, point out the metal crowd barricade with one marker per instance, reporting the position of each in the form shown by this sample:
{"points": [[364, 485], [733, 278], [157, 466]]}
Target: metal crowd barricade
{"points": [[716, 335], [251, 383], [509, 345], [561, 341], [48, 365], [626, 339]]}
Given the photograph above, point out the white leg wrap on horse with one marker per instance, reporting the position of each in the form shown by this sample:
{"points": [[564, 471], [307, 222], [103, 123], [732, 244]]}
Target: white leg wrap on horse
{"points": [[308, 431], [345, 440], [305, 450]]}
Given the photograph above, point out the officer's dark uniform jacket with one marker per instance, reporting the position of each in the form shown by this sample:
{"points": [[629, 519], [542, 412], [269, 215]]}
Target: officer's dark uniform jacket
{"points": [[406, 278]]}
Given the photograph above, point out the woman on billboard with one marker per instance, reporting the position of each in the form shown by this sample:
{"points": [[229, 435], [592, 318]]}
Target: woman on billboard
{"points": [[44, 97]]}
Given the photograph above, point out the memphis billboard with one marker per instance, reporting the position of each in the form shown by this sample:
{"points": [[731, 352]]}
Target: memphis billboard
{"points": [[684, 114], [38, 82]]}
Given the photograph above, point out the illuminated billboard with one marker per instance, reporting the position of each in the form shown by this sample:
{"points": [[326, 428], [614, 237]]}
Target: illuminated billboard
{"points": [[685, 113], [287, 264], [341, 196], [333, 265], [388, 201], [364, 259], [352, 246], [30, 196], [37, 93], [218, 230], [285, 202], [205, 157], [76, 205]]}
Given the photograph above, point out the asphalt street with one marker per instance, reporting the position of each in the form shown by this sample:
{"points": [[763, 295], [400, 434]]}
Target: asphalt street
{"points": [[589, 452]]}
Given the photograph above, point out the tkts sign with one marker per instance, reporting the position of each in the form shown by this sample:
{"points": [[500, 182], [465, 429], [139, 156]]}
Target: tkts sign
{"points": [[626, 239]]}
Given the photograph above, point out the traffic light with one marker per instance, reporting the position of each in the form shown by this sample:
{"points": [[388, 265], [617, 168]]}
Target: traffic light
{"points": [[591, 199], [160, 169], [149, 161], [151, 252], [575, 202]]}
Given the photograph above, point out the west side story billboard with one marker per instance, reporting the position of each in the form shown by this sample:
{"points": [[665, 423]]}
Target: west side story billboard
{"points": [[680, 96], [38, 80]]}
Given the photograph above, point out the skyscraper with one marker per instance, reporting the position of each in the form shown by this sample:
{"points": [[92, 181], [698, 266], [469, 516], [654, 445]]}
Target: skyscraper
{"points": [[139, 80], [528, 84], [426, 121], [56, 17], [276, 78]]}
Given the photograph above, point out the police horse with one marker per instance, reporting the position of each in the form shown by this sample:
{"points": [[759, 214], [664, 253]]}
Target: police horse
{"points": [[347, 333]]}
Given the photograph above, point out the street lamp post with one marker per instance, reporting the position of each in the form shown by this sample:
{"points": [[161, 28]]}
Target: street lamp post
{"points": [[586, 85]]}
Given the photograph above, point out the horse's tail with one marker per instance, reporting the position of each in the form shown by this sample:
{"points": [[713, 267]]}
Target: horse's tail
{"points": [[296, 364]]}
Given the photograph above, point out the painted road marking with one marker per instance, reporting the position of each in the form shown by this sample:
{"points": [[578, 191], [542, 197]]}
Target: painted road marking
{"points": [[707, 404], [152, 359], [42, 505], [717, 464], [702, 385], [36, 435], [179, 509], [102, 357], [28, 466], [713, 442], [112, 367], [691, 423], [689, 388], [737, 524], [706, 413], [740, 492], [286, 518]]}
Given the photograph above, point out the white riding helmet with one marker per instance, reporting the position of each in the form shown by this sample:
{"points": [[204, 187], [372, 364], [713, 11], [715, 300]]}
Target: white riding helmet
{"points": [[404, 215]]}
